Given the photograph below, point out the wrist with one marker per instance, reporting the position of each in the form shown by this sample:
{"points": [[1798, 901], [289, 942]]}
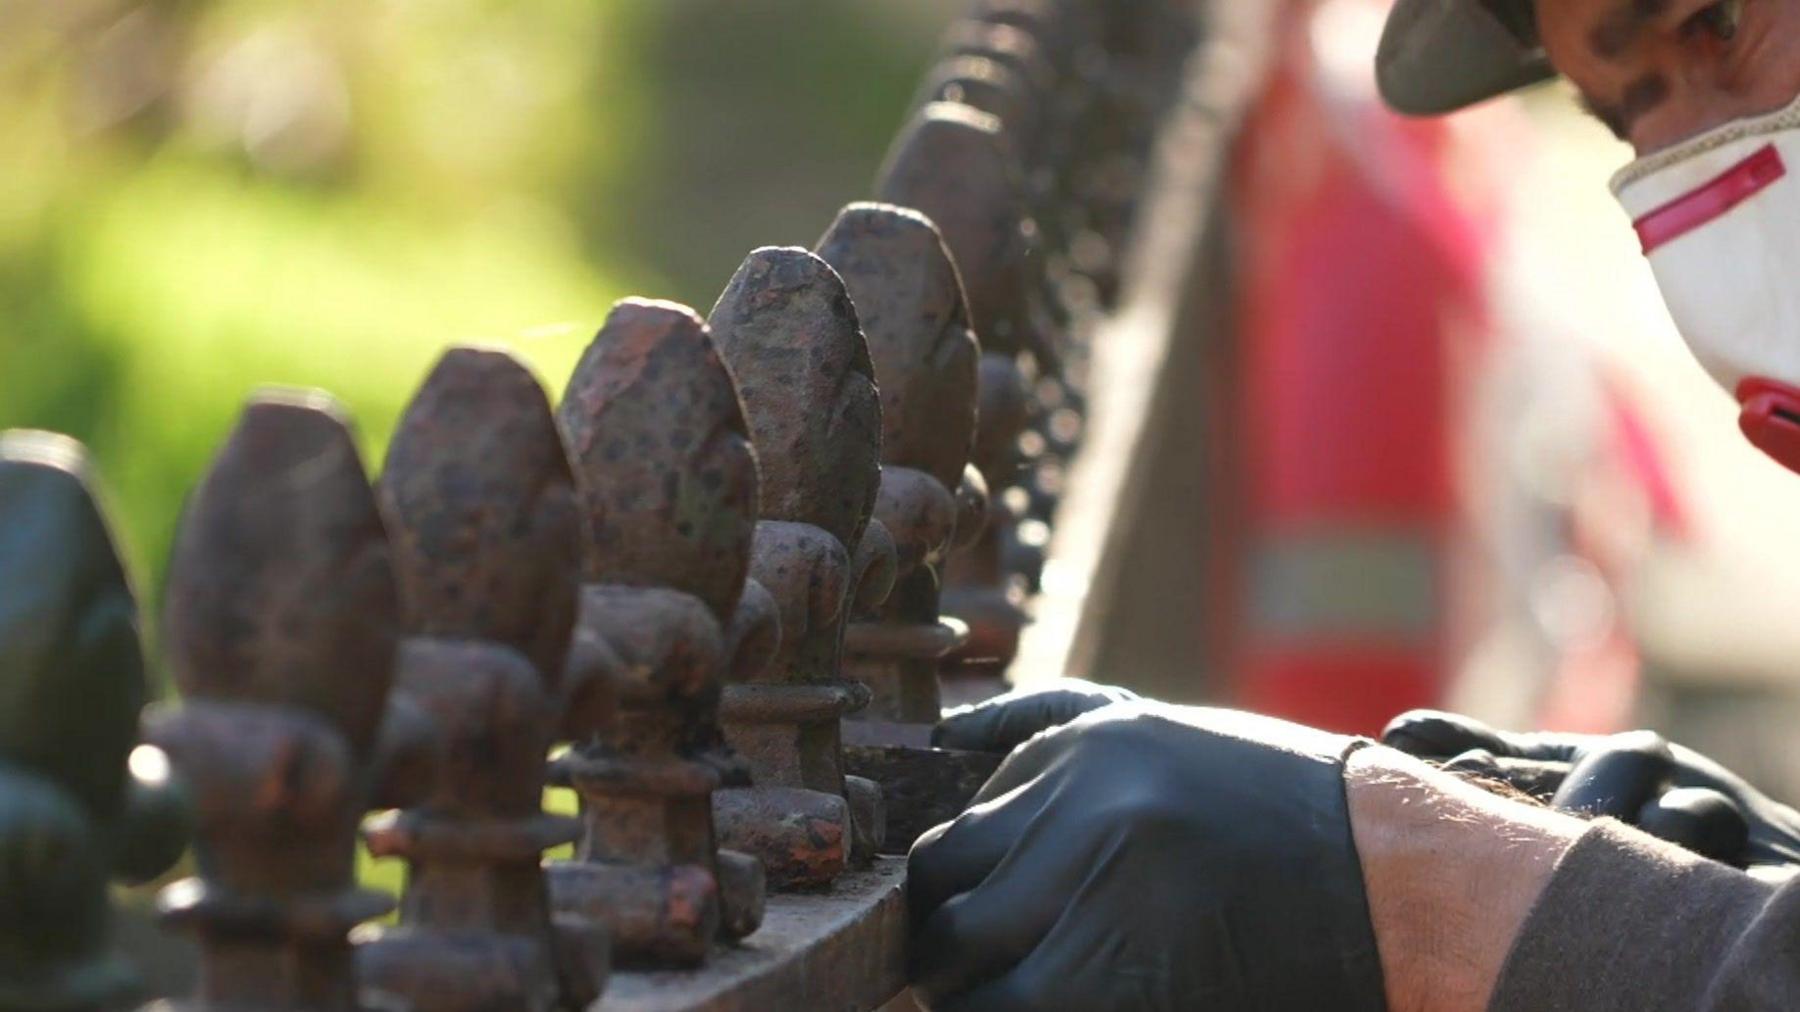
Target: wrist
{"points": [[1451, 872]]}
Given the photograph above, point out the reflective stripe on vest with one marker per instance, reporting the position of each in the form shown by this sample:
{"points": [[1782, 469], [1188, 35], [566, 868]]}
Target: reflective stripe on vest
{"points": [[1360, 586]]}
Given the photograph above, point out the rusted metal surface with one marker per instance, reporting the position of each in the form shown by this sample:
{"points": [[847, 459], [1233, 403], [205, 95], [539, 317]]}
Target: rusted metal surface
{"points": [[924, 786], [802, 837], [481, 512], [1128, 68], [786, 327], [953, 164], [668, 488], [77, 807], [845, 949], [907, 292], [282, 623], [913, 314]]}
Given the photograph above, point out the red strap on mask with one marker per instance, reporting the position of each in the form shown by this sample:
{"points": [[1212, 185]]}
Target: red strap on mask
{"points": [[1711, 202], [1770, 419]]}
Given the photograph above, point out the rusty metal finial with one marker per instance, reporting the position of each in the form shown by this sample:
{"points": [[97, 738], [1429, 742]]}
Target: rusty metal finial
{"points": [[668, 488], [282, 624], [787, 328], [952, 164], [905, 284], [75, 811], [481, 513], [910, 300], [789, 332], [915, 321]]}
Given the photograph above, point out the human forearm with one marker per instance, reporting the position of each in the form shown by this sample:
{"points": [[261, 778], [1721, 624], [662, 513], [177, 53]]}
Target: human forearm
{"points": [[1451, 871], [1483, 904]]}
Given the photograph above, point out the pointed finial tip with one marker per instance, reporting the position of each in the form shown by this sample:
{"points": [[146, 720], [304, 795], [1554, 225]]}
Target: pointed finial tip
{"points": [[784, 269], [873, 217], [784, 295], [276, 401], [480, 356], [632, 309], [488, 373], [867, 237], [958, 116], [44, 449]]}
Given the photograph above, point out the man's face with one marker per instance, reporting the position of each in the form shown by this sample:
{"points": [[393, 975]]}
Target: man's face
{"points": [[1660, 71]]}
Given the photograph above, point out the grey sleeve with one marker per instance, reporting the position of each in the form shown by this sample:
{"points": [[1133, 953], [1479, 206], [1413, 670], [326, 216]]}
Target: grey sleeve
{"points": [[1630, 923]]}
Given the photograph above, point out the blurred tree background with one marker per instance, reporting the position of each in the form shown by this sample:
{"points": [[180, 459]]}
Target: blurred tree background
{"points": [[198, 198]]}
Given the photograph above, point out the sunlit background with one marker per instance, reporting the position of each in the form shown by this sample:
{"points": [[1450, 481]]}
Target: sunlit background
{"points": [[200, 197]]}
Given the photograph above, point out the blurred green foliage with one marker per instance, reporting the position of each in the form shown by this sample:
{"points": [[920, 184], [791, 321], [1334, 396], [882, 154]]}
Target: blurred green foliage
{"points": [[198, 198]]}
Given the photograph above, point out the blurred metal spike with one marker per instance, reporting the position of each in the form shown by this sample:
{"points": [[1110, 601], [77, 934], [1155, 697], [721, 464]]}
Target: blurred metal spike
{"points": [[281, 587], [71, 669], [915, 319], [481, 509], [480, 506], [73, 813], [282, 624], [953, 164]]}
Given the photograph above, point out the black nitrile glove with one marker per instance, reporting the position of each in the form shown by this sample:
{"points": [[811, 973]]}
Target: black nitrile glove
{"points": [[1148, 856], [1639, 777], [1002, 723]]}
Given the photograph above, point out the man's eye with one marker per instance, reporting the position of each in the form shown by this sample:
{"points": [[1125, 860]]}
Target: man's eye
{"points": [[1720, 21]]}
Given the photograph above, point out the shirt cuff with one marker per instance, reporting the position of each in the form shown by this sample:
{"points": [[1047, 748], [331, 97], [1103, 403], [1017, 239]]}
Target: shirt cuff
{"points": [[1627, 922]]}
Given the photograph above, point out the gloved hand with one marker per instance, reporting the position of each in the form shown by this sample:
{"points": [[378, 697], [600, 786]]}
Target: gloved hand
{"points": [[1003, 723], [1148, 856], [1638, 777]]}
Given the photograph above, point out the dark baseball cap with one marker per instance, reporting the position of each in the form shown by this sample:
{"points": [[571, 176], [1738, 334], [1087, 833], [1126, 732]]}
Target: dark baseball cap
{"points": [[1438, 56]]}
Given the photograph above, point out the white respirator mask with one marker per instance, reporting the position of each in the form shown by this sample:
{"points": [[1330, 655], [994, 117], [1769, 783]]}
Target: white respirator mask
{"points": [[1719, 219]]}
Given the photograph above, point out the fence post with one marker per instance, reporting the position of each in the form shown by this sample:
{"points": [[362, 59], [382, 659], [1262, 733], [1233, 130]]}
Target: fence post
{"points": [[79, 805], [787, 329], [910, 302], [668, 485], [916, 321], [952, 163], [482, 521], [282, 623]]}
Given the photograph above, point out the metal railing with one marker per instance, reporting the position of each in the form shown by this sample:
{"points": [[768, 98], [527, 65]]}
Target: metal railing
{"points": [[716, 589]]}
